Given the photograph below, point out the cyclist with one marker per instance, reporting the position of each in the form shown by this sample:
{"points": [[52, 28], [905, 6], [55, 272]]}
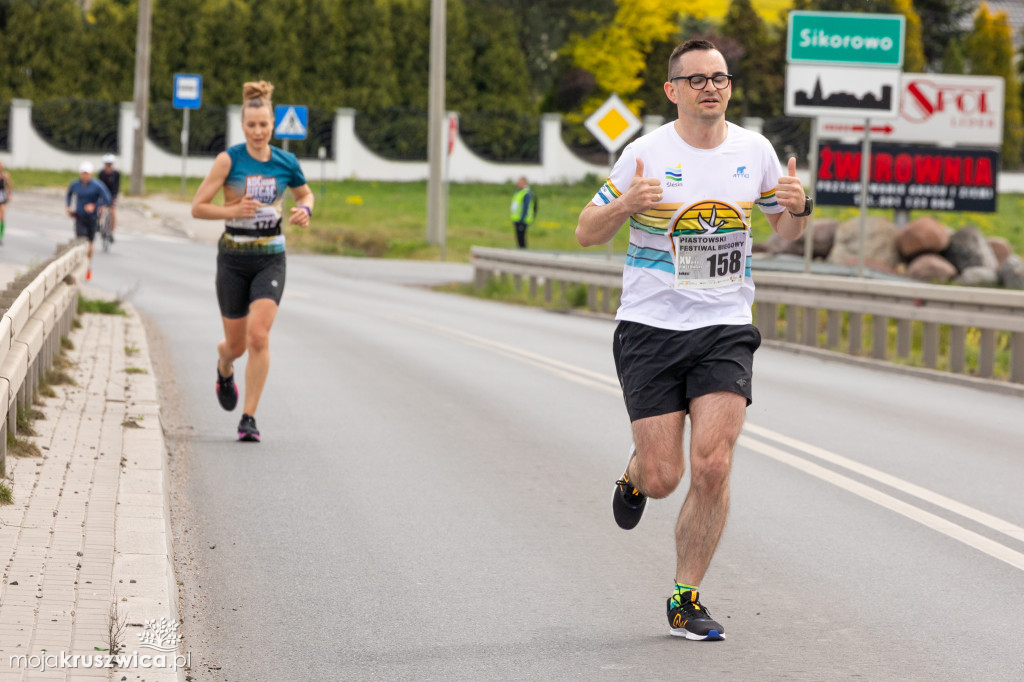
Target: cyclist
{"points": [[90, 195], [111, 177], [250, 253], [5, 196]]}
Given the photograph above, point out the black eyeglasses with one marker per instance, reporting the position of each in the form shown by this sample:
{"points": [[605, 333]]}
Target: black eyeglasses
{"points": [[720, 81]]}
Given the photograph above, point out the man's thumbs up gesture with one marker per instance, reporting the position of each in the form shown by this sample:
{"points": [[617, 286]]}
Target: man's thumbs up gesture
{"points": [[789, 192], [642, 193]]}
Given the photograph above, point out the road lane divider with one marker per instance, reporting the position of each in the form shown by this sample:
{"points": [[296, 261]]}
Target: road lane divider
{"points": [[926, 518], [995, 523], [574, 373], [610, 384]]}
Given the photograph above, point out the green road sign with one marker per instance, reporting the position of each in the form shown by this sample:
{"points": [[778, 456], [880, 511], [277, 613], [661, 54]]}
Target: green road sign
{"points": [[846, 38]]}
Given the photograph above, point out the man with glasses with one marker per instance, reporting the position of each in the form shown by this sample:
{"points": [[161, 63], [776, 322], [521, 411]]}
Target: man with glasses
{"points": [[685, 343]]}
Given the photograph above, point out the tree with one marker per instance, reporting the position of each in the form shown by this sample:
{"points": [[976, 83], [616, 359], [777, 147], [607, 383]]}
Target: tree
{"points": [[500, 77], [109, 50], [913, 45], [953, 59], [221, 45], [175, 25], [616, 53], [38, 68], [758, 73], [989, 52], [942, 25]]}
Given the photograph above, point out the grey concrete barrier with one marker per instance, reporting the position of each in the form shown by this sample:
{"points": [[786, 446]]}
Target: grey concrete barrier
{"points": [[966, 331], [38, 310]]}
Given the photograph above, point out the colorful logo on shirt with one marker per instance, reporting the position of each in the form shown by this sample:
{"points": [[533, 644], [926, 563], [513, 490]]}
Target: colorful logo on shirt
{"points": [[261, 189], [709, 217], [674, 173], [741, 172]]}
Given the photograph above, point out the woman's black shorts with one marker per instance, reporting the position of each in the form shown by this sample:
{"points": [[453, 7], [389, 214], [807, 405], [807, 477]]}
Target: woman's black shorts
{"points": [[245, 277], [661, 370]]}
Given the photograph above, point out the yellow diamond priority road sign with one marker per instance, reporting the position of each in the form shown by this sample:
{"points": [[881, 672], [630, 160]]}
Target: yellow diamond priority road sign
{"points": [[613, 124]]}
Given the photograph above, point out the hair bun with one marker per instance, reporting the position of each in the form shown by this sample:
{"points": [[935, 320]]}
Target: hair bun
{"points": [[257, 90]]}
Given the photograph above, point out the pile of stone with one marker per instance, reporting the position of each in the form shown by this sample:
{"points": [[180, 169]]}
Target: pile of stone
{"points": [[923, 249]]}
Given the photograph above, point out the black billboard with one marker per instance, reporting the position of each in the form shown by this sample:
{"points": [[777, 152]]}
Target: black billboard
{"points": [[909, 177]]}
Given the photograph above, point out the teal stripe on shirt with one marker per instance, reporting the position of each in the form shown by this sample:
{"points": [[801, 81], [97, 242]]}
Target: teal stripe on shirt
{"points": [[654, 259]]}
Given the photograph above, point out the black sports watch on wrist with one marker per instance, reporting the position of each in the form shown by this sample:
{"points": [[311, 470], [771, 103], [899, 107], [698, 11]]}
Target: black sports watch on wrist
{"points": [[808, 207]]}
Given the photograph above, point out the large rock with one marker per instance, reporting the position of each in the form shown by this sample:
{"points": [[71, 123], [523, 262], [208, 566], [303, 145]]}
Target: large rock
{"points": [[978, 276], [968, 248], [777, 244], [923, 235], [1011, 272], [1001, 248], [824, 234], [931, 267], [879, 243]]}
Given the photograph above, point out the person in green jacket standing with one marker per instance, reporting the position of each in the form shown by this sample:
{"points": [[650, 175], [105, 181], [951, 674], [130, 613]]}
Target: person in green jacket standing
{"points": [[523, 210]]}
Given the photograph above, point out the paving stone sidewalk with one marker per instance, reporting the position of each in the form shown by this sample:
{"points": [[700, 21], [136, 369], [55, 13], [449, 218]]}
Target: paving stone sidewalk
{"points": [[89, 527]]}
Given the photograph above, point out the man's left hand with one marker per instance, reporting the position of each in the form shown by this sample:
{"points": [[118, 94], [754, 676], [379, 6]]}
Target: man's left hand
{"points": [[790, 192]]}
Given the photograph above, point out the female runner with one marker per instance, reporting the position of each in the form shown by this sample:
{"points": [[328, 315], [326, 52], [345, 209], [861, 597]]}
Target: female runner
{"points": [[250, 253]]}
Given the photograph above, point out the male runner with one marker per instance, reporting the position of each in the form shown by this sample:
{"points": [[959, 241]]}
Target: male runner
{"points": [[90, 195], [685, 342]]}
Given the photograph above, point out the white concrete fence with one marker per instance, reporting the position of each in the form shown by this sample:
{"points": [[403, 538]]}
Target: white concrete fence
{"points": [[352, 159], [38, 310]]}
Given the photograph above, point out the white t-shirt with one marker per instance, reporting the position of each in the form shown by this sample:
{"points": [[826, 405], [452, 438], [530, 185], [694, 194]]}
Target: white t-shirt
{"points": [[688, 263]]}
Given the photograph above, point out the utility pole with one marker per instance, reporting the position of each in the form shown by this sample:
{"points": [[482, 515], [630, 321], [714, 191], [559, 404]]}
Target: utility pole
{"points": [[435, 120], [141, 123]]}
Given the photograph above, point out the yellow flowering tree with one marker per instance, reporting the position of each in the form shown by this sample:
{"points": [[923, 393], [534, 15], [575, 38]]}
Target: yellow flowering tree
{"points": [[616, 54]]}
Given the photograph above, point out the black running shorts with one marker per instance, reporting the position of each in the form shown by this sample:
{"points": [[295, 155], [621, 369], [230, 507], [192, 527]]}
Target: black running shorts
{"points": [[661, 370], [85, 226], [245, 277]]}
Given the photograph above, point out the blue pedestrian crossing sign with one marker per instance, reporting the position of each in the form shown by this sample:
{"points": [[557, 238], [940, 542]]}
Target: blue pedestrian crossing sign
{"points": [[188, 91], [291, 122]]}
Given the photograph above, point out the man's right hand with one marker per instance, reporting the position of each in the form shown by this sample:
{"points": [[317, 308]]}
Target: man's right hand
{"points": [[642, 193]]}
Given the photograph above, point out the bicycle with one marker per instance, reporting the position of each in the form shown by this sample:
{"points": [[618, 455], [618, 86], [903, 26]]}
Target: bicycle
{"points": [[106, 233]]}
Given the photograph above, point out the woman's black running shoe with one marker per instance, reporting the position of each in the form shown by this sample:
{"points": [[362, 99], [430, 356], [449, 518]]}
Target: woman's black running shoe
{"points": [[227, 392], [247, 430]]}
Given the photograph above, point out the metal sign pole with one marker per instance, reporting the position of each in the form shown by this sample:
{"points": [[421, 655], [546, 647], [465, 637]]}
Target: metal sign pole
{"points": [[865, 177], [184, 147], [812, 159]]}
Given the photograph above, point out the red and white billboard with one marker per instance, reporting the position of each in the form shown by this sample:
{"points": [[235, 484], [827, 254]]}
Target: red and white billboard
{"points": [[937, 109]]}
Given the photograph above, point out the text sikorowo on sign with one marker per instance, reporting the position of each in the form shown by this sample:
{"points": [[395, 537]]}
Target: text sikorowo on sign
{"points": [[908, 177]]}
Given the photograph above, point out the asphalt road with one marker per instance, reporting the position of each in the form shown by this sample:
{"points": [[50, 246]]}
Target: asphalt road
{"points": [[431, 498]]}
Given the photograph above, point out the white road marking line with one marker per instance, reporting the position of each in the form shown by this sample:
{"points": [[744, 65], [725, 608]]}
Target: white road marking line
{"points": [[968, 512], [606, 383], [944, 526]]}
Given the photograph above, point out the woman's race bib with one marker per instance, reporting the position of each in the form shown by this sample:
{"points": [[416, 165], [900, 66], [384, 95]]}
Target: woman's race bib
{"points": [[265, 218]]}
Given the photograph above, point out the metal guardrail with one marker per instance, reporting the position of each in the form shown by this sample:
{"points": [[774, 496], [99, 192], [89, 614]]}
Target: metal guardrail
{"points": [[38, 309], [962, 330]]}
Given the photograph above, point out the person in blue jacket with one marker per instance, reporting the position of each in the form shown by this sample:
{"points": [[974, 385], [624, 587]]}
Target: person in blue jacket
{"points": [[90, 195], [250, 254]]}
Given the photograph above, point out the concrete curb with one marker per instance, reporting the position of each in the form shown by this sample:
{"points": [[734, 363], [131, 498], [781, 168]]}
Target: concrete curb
{"points": [[90, 523]]}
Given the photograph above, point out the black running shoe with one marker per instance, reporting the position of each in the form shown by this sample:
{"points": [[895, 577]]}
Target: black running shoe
{"points": [[247, 430], [627, 502], [691, 620], [227, 392]]}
